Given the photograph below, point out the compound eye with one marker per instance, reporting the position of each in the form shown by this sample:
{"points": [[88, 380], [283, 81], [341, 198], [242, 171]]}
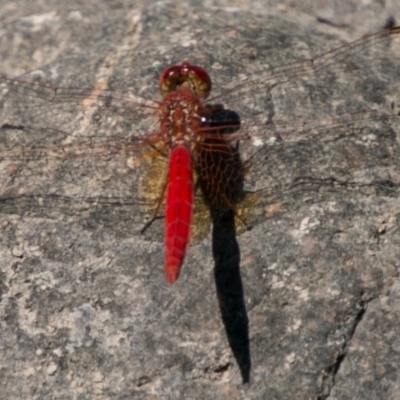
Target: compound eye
{"points": [[183, 76]]}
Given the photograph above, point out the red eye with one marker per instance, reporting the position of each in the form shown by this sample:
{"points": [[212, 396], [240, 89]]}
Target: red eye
{"points": [[179, 76]]}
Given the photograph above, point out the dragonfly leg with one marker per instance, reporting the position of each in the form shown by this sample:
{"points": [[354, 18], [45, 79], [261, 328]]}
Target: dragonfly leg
{"points": [[155, 214]]}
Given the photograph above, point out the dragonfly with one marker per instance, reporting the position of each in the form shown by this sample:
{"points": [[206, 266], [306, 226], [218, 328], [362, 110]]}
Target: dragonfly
{"points": [[185, 143]]}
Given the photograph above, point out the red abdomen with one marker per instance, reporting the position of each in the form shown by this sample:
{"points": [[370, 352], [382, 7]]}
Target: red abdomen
{"points": [[178, 210]]}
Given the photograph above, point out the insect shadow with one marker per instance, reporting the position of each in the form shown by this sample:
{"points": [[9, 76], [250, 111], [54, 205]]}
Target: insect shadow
{"points": [[221, 177]]}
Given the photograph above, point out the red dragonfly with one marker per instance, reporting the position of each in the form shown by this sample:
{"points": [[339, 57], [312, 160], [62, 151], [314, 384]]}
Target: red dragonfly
{"points": [[197, 134]]}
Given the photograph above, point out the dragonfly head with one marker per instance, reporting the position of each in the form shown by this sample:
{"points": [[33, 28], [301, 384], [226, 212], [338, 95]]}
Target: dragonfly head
{"points": [[186, 77]]}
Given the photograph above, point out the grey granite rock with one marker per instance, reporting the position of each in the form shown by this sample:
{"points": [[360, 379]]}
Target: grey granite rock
{"points": [[85, 311]]}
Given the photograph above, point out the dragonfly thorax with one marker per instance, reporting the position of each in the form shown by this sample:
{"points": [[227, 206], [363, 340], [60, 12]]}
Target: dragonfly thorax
{"points": [[181, 116]]}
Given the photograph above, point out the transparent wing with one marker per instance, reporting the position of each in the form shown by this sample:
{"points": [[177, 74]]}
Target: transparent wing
{"points": [[325, 90], [89, 150]]}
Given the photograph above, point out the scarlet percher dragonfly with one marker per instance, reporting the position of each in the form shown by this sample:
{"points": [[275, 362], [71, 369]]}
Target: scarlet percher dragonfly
{"points": [[198, 136]]}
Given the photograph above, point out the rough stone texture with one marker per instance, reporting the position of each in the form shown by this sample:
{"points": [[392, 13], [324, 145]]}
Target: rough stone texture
{"points": [[85, 311]]}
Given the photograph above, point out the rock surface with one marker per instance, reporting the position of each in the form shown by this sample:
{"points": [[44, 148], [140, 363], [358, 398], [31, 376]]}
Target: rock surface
{"points": [[85, 311]]}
